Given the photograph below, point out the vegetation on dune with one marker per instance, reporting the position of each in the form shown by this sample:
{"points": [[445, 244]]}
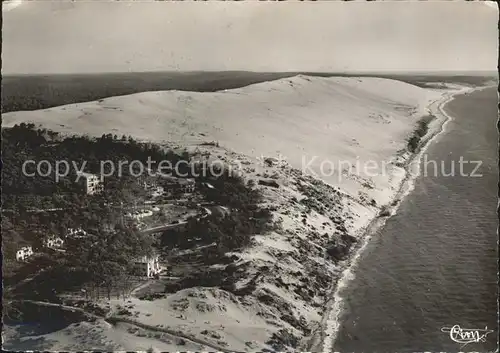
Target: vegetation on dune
{"points": [[232, 231], [384, 211], [25, 142], [106, 258], [421, 130], [339, 246], [100, 260], [230, 190], [283, 339], [225, 233], [100, 263]]}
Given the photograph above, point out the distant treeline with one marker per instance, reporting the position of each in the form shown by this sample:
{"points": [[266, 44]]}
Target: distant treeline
{"points": [[45, 91]]}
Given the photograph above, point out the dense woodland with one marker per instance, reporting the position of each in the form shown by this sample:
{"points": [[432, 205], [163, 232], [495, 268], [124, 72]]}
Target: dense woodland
{"points": [[24, 142], [103, 259]]}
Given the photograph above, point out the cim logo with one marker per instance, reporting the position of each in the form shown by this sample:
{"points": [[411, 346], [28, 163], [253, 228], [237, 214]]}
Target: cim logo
{"points": [[466, 335]]}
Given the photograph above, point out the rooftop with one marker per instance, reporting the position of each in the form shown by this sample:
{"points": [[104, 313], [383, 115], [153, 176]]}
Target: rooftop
{"points": [[86, 175], [172, 180], [145, 259]]}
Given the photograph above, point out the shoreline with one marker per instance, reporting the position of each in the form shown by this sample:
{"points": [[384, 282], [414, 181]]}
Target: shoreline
{"points": [[324, 338]]}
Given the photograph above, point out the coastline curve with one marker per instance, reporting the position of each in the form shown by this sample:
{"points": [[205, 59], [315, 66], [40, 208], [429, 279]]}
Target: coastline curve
{"points": [[323, 340]]}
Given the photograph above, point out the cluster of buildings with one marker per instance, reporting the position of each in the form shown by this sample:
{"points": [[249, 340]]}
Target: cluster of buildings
{"points": [[92, 184], [156, 182], [158, 186], [145, 266], [156, 191], [178, 185], [52, 242], [138, 215]]}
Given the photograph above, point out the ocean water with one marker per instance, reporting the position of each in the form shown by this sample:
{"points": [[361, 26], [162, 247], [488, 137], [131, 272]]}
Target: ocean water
{"points": [[434, 264]]}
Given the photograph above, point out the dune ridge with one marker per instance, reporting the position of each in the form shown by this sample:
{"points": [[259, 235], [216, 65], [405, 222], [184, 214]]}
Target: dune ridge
{"points": [[301, 118]]}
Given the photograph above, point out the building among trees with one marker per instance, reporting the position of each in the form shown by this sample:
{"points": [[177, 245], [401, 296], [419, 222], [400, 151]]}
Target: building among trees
{"points": [[76, 233], [147, 266], [24, 253], [90, 183], [178, 185], [53, 242]]}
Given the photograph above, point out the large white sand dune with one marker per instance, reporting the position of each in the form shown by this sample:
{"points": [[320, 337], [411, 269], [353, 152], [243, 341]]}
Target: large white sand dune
{"points": [[330, 119]]}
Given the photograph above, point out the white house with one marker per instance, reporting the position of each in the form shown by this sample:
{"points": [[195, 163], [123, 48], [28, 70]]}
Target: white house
{"points": [[147, 266], [173, 184], [137, 215], [90, 183], [76, 233], [24, 253], [53, 242]]}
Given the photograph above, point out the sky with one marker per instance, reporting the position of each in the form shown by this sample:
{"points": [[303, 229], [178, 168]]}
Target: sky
{"points": [[91, 37]]}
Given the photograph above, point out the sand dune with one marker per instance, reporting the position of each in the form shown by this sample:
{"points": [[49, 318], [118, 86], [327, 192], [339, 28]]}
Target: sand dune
{"points": [[330, 120]]}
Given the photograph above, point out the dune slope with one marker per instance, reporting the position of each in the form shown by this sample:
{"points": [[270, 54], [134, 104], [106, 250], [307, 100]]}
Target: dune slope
{"points": [[317, 124]]}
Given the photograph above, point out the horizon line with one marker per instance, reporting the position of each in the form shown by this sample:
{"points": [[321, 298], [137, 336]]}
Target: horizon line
{"points": [[330, 73]]}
